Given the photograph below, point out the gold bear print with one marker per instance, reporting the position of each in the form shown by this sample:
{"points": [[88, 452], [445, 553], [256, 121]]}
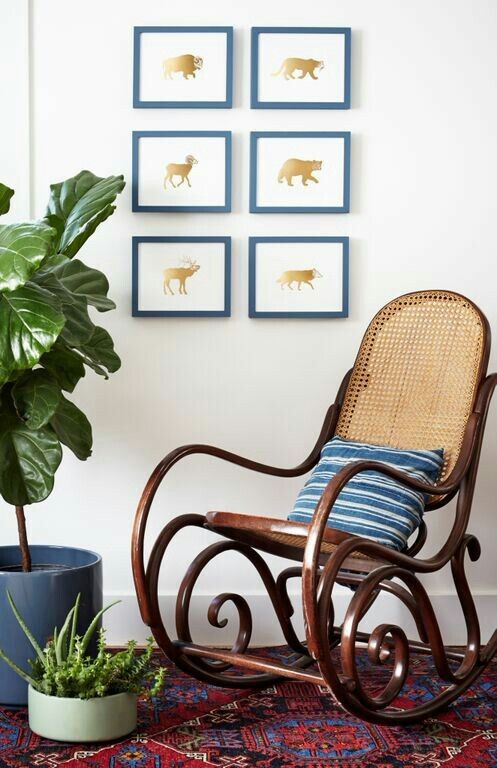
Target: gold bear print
{"points": [[298, 276], [187, 269], [179, 169], [188, 64], [304, 66], [303, 168]]}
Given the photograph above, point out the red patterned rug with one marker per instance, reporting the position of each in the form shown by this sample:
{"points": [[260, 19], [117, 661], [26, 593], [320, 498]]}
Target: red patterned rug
{"points": [[289, 725]]}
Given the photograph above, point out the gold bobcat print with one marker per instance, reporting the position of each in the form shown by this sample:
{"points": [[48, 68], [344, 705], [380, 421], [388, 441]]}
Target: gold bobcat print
{"points": [[179, 169], [182, 273], [188, 64], [303, 168], [298, 276], [304, 66]]}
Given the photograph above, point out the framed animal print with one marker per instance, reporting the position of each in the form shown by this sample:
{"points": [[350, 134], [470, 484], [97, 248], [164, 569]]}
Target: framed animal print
{"points": [[300, 68], [183, 67], [299, 277], [178, 171], [181, 276], [300, 172]]}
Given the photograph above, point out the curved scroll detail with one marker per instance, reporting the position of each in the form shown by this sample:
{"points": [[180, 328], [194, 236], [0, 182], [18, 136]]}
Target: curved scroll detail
{"points": [[204, 669], [183, 602], [317, 583], [391, 638]]}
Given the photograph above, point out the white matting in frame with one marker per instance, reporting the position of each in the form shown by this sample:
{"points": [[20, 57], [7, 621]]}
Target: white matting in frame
{"points": [[183, 67], [181, 276], [176, 171], [300, 172], [301, 68], [300, 277]]}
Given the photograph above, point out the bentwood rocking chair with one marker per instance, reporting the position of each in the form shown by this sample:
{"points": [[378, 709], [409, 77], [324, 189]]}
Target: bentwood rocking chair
{"points": [[419, 382]]}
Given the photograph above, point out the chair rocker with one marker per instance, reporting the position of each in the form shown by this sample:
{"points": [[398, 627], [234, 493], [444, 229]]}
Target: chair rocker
{"points": [[419, 381]]}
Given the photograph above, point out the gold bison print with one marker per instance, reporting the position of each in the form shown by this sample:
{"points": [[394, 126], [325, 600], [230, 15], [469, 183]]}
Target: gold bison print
{"points": [[298, 276], [303, 168], [187, 268], [304, 66], [179, 169], [187, 64]]}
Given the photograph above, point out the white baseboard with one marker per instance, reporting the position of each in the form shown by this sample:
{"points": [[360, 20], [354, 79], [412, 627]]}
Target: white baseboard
{"points": [[124, 622]]}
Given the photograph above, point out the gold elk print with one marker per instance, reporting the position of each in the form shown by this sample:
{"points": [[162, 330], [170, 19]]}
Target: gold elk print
{"points": [[187, 64], [298, 276], [179, 169], [187, 268], [303, 168], [310, 67]]}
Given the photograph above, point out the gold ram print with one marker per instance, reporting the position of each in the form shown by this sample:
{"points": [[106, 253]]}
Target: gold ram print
{"points": [[187, 64], [298, 276], [187, 269], [179, 169], [305, 66]]}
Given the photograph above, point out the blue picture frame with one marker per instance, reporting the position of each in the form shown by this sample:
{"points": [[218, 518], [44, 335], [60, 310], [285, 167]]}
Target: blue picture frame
{"points": [[255, 102], [253, 242], [135, 205], [135, 309], [139, 103], [254, 138]]}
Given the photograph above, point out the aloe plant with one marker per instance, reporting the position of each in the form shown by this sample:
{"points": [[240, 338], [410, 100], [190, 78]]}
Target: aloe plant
{"points": [[48, 338], [63, 667]]}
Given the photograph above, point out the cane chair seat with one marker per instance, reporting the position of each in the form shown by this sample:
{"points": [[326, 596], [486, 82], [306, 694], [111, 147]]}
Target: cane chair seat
{"points": [[287, 539]]}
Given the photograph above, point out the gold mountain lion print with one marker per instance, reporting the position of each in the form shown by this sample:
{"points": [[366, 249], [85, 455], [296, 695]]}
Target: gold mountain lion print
{"points": [[298, 276], [187, 64], [187, 269], [304, 66], [179, 169], [303, 168]]}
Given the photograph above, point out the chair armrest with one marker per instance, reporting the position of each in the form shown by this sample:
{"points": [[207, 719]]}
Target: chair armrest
{"points": [[233, 458], [142, 513], [469, 446], [312, 578], [256, 466], [327, 430], [372, 548], [340, 480]]}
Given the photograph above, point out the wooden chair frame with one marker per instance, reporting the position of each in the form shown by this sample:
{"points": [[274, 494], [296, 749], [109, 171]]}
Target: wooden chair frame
{"points": [[353, 560]]}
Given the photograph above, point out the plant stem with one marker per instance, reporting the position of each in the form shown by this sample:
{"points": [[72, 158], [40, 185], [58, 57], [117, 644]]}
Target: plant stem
{"points": [[23, 539]]}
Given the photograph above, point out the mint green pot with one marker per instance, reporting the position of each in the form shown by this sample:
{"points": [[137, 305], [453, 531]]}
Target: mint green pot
{"points": [[82, 720]]}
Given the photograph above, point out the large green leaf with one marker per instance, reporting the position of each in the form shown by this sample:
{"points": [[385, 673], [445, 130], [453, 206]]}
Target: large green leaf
{"points": [[28, 459], [30, 322], [5, 195], [36, 396], [22, 249], [100, 350], [73, 428], [85, 281], [58, 224], [78, 327], [65, 365], [82, 203]]}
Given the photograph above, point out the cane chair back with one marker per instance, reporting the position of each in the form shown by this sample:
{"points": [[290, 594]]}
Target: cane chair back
{"points": [[416, 375]]}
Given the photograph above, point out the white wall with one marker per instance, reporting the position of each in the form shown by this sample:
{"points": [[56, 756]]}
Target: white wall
{"points": [[424, 207]]}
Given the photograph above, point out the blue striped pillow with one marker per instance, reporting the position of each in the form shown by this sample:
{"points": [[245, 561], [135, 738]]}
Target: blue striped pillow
{"points": [[371, 504]]}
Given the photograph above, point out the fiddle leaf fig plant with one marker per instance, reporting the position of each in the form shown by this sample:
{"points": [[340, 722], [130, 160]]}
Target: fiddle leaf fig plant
{"points": [[48, 338]]}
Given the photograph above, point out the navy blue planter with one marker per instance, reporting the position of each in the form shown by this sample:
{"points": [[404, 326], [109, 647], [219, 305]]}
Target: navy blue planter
{"points": [[44, 597]]}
